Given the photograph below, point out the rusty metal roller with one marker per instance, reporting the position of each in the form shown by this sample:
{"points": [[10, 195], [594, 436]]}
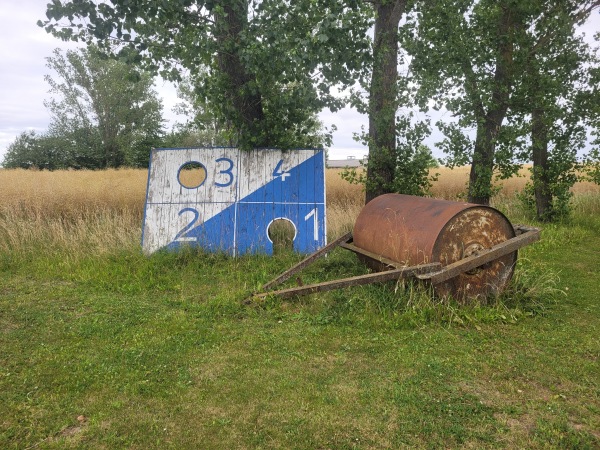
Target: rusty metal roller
{"points": [[416, 230]]}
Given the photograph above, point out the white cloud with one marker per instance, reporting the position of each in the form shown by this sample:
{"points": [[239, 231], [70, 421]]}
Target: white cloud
{"points": [[348, 123], [22, 52]]}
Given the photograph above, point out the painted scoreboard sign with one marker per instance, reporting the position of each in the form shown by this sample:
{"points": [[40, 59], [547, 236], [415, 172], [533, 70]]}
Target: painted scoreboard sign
{"points": [[234, 199]]}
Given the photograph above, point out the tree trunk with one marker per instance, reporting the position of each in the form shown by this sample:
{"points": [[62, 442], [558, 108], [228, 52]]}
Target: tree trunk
{"points": [[383, 98], [482, 165], [541, 182], [490, 122], [245, 100]]}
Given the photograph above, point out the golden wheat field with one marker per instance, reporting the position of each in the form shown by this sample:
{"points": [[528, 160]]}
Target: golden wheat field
{"points": [[102, 210]]}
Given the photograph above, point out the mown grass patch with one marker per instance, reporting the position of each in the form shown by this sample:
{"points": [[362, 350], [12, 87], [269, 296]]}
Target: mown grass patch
{"points": [[161, 352]]}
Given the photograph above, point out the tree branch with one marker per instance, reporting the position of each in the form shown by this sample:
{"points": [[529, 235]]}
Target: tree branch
{"points": [[575, 19]]}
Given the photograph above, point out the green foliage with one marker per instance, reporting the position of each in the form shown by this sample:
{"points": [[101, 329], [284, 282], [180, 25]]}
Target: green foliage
{"points": [[30, 150], [456, 144], [411, 160], [493, 65], [107, 114], [412, 171], [591, 166], [590, 99], [104, 114], [560, 206], [264, 68], [203, 127]]}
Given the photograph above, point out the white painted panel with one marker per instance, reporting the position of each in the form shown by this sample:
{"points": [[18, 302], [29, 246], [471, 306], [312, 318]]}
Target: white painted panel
{"points": [[169, 223], [259, 167], [221, 175]]}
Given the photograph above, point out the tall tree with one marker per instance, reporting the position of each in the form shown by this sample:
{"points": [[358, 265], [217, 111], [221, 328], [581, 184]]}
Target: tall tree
{"points": [[487, 62], [201, 127], [466, 57], [383, 98], [396, 160], [550, 93], [567, 62], [590, 98], [109, 111], [267, 66]]}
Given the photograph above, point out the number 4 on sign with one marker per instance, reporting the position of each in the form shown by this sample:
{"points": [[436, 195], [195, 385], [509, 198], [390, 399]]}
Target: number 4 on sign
{"points": [[278, 172]]}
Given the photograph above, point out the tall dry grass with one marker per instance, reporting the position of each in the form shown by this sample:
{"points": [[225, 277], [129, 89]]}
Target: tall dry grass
{"points": [[70, 195], [101, 211], [344, 202], [71, 211], [452, 184]]}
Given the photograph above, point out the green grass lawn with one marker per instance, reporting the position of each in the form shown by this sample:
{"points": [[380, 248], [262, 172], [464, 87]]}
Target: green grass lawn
{"points": [[124, 351]]}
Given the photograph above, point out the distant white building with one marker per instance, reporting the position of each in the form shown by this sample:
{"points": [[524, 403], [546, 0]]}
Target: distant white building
{"points": [[350, 161]]}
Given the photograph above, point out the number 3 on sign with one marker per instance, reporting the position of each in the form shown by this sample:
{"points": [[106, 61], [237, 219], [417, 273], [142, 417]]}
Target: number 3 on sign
{"points": [[227, 172], [314, 213]]}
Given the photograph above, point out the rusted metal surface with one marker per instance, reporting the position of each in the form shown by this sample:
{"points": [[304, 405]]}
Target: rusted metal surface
{"points": [[415, 231], [377, 277], [464, 250], [434, 272]]}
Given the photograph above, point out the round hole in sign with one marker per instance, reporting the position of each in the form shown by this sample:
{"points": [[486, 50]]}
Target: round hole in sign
{"points": [[281, 233], [191, 175]]}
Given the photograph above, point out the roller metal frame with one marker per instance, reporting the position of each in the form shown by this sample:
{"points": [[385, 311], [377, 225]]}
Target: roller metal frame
{"points": [[392, 270]]}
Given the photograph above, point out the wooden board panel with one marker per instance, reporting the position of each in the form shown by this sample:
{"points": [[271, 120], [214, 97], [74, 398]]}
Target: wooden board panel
{"points": [[236, 199]]}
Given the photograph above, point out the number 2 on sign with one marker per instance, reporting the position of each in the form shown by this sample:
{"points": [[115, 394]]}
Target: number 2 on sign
{"points": [[314, 213], [179, 237]]}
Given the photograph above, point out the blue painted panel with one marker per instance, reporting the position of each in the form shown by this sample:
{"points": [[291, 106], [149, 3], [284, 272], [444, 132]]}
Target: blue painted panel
{"points": [[252, 231], [216, 234], [303, 183]]}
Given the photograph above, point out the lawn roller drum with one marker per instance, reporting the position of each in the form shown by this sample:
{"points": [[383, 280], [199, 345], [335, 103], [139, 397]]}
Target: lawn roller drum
{"points": [[464, 250]]}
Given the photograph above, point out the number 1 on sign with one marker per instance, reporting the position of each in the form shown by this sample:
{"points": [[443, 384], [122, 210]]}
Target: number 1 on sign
{"points": [[315, 215]]}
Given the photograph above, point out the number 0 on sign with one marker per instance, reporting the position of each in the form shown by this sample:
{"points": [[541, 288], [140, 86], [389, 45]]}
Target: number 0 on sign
{"points": [[226, 199]]}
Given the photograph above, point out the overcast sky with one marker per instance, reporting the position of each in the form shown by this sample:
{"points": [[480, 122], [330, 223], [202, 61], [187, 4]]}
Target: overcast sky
{"points": [[23, 49]]}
